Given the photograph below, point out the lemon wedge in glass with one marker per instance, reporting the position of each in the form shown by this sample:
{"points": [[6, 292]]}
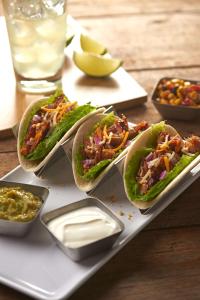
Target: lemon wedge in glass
{"points": [[90, 45], [96, 65]]}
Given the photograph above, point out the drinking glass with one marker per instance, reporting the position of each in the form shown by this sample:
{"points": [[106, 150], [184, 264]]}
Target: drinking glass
{"points": [[37, 36]]}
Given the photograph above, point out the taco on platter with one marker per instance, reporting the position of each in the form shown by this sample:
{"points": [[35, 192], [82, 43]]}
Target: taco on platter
{"points": [[45, 125], [98, 144], [156, 162]]}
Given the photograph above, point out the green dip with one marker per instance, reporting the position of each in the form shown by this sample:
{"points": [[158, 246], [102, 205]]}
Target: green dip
{"points": [[16, 204]]}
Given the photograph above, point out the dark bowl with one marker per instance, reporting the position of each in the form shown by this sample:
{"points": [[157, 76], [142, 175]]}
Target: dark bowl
{"points": [[175, 112]]}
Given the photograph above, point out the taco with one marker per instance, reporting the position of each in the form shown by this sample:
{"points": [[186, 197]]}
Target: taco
{"points": [[156, 162], [99, 142], [45, 125]]}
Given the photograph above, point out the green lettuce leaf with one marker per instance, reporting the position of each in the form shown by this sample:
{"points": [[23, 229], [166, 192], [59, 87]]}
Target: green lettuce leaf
{"points": [[92, 172], [155, 131], [96, 170]]}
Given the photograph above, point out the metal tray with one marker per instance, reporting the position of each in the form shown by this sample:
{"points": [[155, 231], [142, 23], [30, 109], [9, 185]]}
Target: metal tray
{"points": [[42, 270]]}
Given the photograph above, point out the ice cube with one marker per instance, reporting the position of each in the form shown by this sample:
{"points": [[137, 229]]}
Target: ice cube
{"points": [[24, 55], [53, 29], [26, 8], [47, 54], [21, 33], [54, 6]]}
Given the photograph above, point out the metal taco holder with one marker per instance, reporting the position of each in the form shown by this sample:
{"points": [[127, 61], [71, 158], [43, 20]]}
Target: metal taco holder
{"points": [[183, 184], [118, 166]]}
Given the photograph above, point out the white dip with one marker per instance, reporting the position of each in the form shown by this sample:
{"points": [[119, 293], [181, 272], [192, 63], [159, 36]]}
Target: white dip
{"points": [[83, 226]]}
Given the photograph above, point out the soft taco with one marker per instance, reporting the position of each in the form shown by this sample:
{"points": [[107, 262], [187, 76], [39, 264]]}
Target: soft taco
{"points": [[45, 125], [156, 162], [99, 142]]}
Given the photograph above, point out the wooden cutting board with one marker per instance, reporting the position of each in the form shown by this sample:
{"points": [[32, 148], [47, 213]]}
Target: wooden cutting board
{"points": [[119, 90]]}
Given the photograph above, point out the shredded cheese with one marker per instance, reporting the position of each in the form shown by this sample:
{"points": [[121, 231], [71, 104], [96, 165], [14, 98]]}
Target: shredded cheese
{"points": [[123, 142], [110, 137], [105, 132], [148, 174], [154, 163], [166, 161]]}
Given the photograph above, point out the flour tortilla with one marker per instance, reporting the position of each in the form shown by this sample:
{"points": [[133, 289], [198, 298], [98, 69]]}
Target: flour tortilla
{"points": [[141, 142], [33, 166], [82, 184]]}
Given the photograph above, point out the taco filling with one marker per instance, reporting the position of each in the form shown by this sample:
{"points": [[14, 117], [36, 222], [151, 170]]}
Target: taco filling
{"points": [[48, 124], [104, 143], [158, 163]]}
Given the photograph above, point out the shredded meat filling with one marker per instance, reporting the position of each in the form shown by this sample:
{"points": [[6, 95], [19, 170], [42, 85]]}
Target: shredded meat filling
{"points": [[169, 149], [106, 141]]}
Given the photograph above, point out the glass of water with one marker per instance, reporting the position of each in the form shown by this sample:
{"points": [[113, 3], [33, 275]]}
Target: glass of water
{"points": [[37, 35]]}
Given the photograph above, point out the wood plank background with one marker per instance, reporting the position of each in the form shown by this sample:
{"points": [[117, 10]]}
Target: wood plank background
{"points": [[155, 39]]}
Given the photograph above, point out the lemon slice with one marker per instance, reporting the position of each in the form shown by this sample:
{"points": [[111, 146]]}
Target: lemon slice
{"points": [[90, 45], [96, 65]]}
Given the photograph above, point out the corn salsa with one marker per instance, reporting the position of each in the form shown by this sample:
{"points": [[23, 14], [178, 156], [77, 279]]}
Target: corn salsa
{"points": [[178, 92], [17, 204]]}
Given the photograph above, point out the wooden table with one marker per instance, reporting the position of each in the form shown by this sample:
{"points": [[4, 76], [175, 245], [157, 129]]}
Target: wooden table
{"points": [[155, 39]]}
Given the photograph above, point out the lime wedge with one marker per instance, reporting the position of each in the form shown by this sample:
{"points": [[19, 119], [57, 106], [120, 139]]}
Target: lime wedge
{"points": [[96, 65], [90, 45]]}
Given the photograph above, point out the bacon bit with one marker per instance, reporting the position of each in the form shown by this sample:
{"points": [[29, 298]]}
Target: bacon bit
{"points": [[166, 161], [123, 142], [141, 126]]}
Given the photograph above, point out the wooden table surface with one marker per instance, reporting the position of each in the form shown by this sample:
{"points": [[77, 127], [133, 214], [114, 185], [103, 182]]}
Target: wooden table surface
{"points": [[155, 39]]}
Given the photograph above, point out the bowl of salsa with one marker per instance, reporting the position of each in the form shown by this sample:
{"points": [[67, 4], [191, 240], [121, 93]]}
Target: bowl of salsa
{"points": [[177, 98]]}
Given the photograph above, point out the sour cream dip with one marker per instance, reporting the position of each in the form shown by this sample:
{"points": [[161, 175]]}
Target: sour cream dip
{"points": [[83, 226]]}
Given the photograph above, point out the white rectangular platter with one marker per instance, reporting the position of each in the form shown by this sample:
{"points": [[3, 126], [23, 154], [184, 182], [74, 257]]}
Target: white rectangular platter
{"points": [[34, 264]]}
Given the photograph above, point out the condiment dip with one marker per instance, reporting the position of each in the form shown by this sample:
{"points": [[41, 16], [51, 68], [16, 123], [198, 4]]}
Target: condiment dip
{"points": [[83, 226], [17, 204]]}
